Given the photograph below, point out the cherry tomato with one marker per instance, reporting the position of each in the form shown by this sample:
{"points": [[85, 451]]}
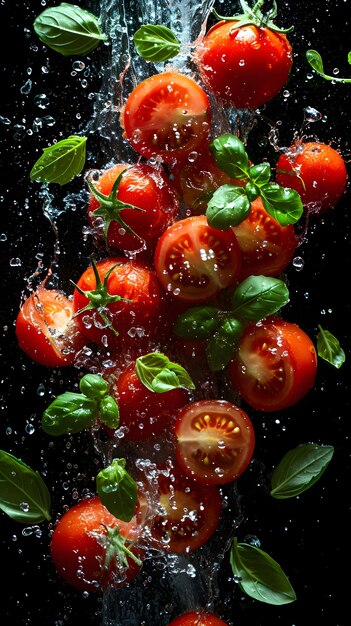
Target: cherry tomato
{"points": [[214, 441], [166, 115], [79, 544], [316, 171], [144, 187], [266, 247], [197, 618], [246, 66], [190, 512], [136, 318], [275, 366], [194, 261], [45, 330]]}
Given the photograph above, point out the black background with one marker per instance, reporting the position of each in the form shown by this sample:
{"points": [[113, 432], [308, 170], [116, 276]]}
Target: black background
{"points": [[310, 535]]}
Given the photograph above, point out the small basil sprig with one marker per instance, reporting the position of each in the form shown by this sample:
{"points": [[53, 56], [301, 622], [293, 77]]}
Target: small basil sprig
{"points": [[61, 162], [231, 204], [299, 469], [315, 60], [24, 495], [159, 374], [68, 29], [255, 298], [260, 576], [73, 412], [117, 490], [156, 43], [329, 349]]}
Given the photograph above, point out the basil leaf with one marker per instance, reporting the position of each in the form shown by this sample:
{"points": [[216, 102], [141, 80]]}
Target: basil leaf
{"points": [[159, 374], [259, 296], [156, 43], [283, 204], [315, 60], [229, 206], [93, 386], [260, 174], [68, 29], [230, 155], [61, 162], [299, 469], [24, 495], [109, 412], [222, 345], [260, 576], [252, 191], [69, 413], [117, 490], [198, 322], [329, 349]]}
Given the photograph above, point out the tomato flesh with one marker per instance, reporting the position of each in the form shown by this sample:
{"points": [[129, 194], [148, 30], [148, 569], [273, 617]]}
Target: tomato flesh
{"points": [[197, 618]]}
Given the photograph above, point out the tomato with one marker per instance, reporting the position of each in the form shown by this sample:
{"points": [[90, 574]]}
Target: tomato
{"points": [[45, 330], [189, 512], [145, 414], [197, 618], [166, 116], [194, 261], [266, 247], [136, 318], [215, 441], [245, 66], [275, 366], [79, 544], [316, 171], [144, 187]]}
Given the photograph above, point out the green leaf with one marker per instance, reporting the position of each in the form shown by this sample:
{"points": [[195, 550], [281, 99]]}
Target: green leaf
{"points": [[349, 58], [283, 204], [230, 155], [229, 206], [315, 60], [329, 349], [198, 322], [222, 345], [258, 297], [68, 29], [109, 412], [299, 469], [61, 162], [159, 374], [69, 413], [117, 490], [260, 576], [93, 386], [156, 43], [24, 495], [260, 174]]}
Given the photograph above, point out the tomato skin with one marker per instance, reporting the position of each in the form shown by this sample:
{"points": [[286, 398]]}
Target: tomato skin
{"points": [[45, 330], [215, 441], [77, 552], [197, 618], [166, 115], [276, 365], [246, 66], [266, 247], [194, 261], [142, 186], [322, 170]]}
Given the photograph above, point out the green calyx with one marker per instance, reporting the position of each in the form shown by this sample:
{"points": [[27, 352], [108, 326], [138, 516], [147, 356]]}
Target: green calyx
{"points": [[254, 15], [116, 548]]}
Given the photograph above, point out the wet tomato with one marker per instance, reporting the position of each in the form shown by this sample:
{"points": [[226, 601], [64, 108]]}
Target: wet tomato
{"points": [[166, 115], [275, 366], [194, 261], [197, 618]]}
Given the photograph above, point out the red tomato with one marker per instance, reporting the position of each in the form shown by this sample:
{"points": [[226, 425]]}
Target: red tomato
{"points": [[266, 247], [166, 115], [197, 618], [79, 544], [246, 66], [316, 171], [194, 261], [215, 441], [137, 320], [190, 512], [142, 186], [145, 414], [45, 329], [275, 366]]}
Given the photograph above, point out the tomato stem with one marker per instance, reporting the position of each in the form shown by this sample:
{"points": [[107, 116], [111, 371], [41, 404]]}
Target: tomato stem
{"points": [[254, 15]]}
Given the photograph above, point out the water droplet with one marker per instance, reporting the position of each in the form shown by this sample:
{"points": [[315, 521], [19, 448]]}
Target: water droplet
{"points": [[26, 88], [15, 262], [41, 389], [311, 114], [298, 263]]}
